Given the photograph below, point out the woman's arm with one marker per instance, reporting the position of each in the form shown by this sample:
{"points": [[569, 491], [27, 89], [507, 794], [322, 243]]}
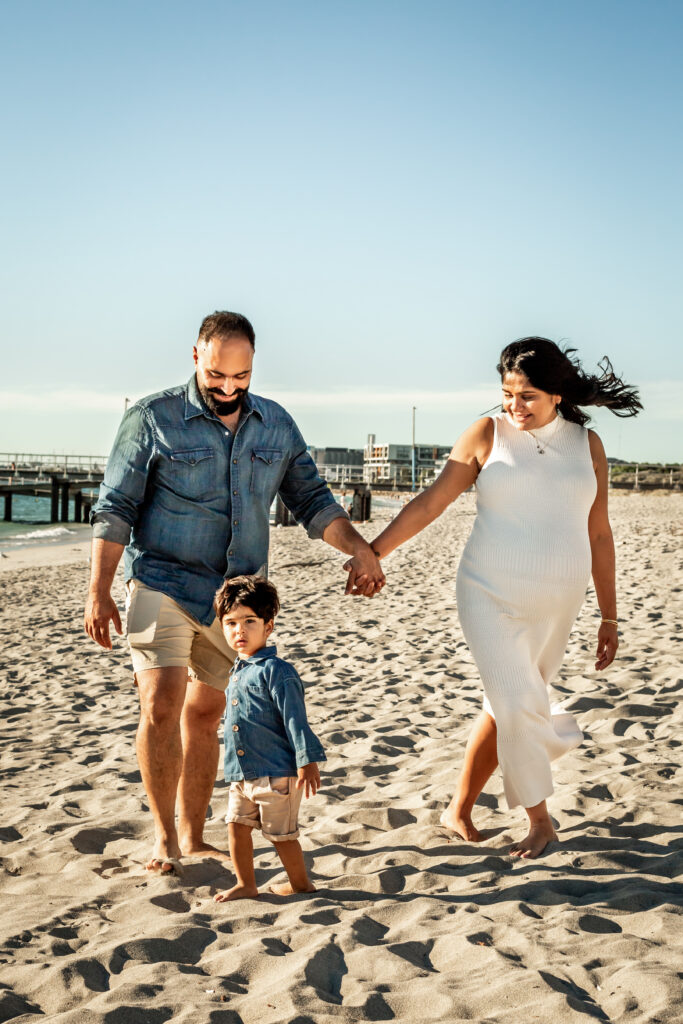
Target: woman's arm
{"points": [[469, 454], [602, 553]]}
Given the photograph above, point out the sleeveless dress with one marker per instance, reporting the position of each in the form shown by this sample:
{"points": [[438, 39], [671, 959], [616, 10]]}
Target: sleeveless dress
{"points": [[521, 582]]}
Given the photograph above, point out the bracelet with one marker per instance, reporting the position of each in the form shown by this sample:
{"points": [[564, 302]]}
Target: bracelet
{"points": [[375, 551], [610, 622]]}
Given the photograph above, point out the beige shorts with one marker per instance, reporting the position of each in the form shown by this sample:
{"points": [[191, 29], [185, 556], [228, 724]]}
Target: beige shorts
{"points": [[271, 804], [162, 635]]}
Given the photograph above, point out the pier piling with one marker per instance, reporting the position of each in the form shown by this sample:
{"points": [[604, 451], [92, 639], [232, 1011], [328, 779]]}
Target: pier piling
{"points": [[54, 498]]}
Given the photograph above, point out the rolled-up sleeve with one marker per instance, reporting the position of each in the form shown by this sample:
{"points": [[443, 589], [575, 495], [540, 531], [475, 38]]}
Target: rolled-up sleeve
{"points": [[305, 493], [125, 479]]}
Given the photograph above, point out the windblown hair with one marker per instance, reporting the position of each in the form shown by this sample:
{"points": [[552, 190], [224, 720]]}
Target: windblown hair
{"points": [[559, 372], [224, 325], [253, 592]]}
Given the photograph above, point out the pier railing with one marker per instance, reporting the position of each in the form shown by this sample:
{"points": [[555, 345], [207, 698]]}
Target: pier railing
{"points": [[22, 462]]}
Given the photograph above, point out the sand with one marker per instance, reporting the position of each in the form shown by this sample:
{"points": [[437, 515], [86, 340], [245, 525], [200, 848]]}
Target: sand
{"points": [[407, 925]]}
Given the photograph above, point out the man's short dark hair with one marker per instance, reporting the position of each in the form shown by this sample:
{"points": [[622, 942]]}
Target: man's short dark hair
{"points": [[253, 592], [224, 325]]}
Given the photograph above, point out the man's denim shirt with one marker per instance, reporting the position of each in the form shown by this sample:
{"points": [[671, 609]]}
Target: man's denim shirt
{"points": [[266, 729], [192, 502]]}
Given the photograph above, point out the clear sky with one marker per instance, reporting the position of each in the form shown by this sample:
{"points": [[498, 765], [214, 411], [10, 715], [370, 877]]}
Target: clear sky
{"points": [[391, 191]]}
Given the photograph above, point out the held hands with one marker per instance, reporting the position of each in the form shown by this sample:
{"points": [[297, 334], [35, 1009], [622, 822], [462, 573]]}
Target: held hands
{"points": [[365, 573], [608, 642], [309, 778], [100, 609]]}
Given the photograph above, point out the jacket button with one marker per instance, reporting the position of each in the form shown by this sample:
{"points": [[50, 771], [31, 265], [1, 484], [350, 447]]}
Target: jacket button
{"points": [[231, 553], [235, 703], [240, 753], [235, 522], [234, 462], [235, 728], [235, 492]]}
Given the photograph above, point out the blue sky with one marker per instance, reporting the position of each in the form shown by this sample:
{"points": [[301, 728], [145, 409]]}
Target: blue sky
{"points": [[391, 192]]}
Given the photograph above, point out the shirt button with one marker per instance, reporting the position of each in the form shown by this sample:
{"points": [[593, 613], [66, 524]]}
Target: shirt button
{"points": [[235, 703], [235, 728], [240, 753]]}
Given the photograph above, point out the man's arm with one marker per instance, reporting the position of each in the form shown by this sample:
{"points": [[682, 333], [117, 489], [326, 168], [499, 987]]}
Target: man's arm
{"points": [[100, 608], [312, 503], [113, 516], [365, 572]]}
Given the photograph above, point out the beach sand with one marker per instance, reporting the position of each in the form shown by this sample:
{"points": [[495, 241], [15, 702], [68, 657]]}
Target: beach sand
{"points": [[407, 925]]}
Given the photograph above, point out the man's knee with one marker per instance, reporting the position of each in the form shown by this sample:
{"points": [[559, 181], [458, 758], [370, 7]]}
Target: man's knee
{"points": [[162, 692], [203, 709]]}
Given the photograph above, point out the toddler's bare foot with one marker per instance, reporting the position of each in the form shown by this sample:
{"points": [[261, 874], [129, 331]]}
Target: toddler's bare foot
{"points": [[238, 892], [535, 842], [287, 889], [462, 824]]}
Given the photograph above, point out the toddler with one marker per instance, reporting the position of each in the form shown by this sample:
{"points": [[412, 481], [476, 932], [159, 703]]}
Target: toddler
{"points": [[270, 749]]}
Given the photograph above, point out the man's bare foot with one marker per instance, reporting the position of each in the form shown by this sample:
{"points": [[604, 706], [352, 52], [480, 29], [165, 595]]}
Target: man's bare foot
{"points": [[287, 889], [535, 842], [462, 824], [202, 849], [165, 857], [238, 892]]}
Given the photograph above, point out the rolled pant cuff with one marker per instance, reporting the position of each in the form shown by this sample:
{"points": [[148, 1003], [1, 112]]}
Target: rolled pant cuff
{"points": [[281, 839]]}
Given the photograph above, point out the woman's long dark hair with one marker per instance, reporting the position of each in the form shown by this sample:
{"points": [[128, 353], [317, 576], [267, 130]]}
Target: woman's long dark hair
{"points": [[559, 372]]}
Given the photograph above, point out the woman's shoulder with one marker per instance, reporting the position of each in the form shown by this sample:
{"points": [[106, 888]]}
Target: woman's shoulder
{"points": [[476, 441]]}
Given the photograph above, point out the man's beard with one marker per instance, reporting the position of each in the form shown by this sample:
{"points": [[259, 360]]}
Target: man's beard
{"points": [[225, 406]]}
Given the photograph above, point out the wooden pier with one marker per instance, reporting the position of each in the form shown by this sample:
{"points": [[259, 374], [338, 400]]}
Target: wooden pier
{"points": [[57, 477]]}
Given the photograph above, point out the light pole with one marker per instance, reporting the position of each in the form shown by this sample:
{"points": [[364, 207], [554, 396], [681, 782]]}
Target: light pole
{"points": [[412, 459]]}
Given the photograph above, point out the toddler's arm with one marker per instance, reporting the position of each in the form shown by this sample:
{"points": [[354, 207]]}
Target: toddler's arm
{"points": [[287, 693]]}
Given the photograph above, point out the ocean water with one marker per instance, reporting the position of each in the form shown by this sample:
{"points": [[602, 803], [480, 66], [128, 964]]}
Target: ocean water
{"points": [[31, 523]]}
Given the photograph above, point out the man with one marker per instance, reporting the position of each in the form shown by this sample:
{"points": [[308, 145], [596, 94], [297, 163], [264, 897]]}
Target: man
{"points": [[187, 493]]}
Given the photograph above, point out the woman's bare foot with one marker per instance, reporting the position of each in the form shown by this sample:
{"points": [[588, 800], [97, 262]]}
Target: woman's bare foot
{"points": [[238, 892], [535, 842], [287, 889], [462, 824]]}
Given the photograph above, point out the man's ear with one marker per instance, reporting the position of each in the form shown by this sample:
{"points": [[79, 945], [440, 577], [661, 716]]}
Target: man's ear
{"points": [[194, 354], [270, 626]]}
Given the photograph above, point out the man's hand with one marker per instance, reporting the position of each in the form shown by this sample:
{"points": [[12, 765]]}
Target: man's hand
{"points": [[365, 574], [608, 642], [309, 778], [100, 610]]}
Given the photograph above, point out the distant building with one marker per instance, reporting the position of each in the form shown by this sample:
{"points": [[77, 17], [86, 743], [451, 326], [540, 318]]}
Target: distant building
{"points": [[392, 463], [344, 465]]}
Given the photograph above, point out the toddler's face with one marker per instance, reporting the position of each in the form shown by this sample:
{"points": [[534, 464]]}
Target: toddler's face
{"points": [[244, 631]]}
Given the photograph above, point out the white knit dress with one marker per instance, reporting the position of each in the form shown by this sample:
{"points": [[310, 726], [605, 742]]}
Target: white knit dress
{"points": [[521, 582]]}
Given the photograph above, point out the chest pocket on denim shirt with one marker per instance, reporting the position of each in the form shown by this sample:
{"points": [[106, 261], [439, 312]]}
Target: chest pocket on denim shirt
{"points": [[267, 470], [192, 472], [260, 703]]}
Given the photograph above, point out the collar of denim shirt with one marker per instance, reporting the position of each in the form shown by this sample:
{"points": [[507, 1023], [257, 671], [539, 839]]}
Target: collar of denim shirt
{"points": [[196, 406], [261, 655]]}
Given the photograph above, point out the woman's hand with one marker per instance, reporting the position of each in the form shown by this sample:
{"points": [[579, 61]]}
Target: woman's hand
{"points": [[608, 642]]}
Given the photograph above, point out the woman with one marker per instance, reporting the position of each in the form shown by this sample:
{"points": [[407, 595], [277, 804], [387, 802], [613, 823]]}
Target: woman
{"points": [[541, 528]]}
